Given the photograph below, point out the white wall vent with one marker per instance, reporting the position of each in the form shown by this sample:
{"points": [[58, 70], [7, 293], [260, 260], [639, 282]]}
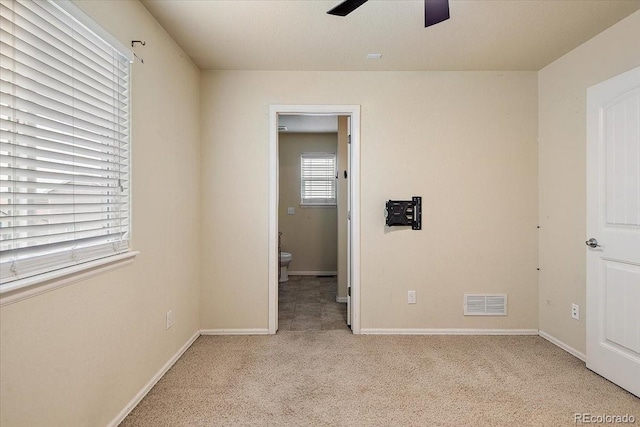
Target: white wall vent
{"points": [[485, 305]]}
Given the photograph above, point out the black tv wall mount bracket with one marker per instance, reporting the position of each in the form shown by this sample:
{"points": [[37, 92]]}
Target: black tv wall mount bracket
{"points": [[405, 213]]}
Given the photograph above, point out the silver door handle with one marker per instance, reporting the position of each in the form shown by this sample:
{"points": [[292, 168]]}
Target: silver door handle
{"points": [[592, 243]]}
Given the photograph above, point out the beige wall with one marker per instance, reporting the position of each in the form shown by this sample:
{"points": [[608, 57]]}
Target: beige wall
{"points": [[311, 233], [562, 156], [464, 141], [77, 355]]}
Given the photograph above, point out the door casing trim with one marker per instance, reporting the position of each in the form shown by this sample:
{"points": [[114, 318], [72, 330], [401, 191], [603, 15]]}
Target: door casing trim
{"points": [[354, 191]]}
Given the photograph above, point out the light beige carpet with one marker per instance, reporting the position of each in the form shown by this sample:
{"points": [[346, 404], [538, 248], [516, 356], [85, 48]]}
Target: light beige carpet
{"points": [[334, 378]]}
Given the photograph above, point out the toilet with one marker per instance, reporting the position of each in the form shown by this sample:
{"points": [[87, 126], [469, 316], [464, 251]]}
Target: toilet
{"points": [[285, 259]]}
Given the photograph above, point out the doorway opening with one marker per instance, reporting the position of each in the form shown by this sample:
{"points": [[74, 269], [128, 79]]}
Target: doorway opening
{"points": [[348, 170]]}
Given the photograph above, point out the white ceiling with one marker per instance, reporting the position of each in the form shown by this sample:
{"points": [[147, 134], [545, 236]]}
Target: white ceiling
{"points": [[501, 35], [309, 123]]}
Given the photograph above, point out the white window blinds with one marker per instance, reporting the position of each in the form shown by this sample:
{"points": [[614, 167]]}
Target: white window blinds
{"points": [[318, 179], [64, 143]]}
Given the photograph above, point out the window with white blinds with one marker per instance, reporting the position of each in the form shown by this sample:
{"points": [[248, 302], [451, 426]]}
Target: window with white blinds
{"points": [[318, 179], [64, 144]]}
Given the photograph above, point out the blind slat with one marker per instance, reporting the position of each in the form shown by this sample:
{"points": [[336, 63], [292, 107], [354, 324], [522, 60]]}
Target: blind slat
{"points": [[44, 198], [86, 36], [104, 162], [15, 130], [39, 230], [103, 124], [27, 44], [29, 220], [63, 51], [47, 239], [50, 166], [18, 255], [58, 176], [61, 35], [37, 77], [59, 208], [52, 12], [318, 178], [65, 187], [64, 142], [47, 144], [91, 131]]}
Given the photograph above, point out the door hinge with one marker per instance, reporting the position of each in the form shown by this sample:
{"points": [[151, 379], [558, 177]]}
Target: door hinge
{"points": [[349, 291], [348, 139], [349, 215]]}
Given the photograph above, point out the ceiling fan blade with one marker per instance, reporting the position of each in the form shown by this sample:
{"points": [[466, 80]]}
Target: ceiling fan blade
{"points": [[346, 7], [435, 11]]}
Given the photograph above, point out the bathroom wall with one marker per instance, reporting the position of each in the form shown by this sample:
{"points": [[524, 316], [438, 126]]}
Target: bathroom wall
{"points": [[77, 355], [562, 140], [464, 141], [311, 233]]}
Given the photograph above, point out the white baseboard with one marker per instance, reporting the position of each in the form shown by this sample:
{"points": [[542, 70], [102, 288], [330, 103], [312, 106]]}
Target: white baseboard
{"points": [[312, 273], [234, 331], [147, 388], [563, 346], [341, 299], [453, 331]]}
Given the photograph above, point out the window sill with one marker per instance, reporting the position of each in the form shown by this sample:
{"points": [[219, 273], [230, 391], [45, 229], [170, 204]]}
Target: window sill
{"points": [[32, 286]]}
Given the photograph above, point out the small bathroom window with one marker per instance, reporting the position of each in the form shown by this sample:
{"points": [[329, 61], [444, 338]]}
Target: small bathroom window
{"points": [[318, 179]]}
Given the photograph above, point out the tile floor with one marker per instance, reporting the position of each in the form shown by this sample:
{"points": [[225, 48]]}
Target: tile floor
{"points": [[309, 303]]}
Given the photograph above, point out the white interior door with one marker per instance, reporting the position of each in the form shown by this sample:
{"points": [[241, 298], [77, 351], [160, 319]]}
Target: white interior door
{"points": [[613, 223], [349, 194]]}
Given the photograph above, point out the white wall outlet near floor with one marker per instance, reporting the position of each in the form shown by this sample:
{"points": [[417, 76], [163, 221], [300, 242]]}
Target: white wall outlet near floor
{"points": [[290, 211], [411, 297], [575, 311], [169, 319]]}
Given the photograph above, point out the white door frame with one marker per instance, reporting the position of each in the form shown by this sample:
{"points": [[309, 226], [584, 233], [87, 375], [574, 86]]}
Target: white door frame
{"points": [[354, 194]]}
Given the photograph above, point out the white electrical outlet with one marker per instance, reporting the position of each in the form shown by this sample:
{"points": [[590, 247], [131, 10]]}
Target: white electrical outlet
{"points": [[575, 311], [169, 319], [411, 297], [291, 211]]}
